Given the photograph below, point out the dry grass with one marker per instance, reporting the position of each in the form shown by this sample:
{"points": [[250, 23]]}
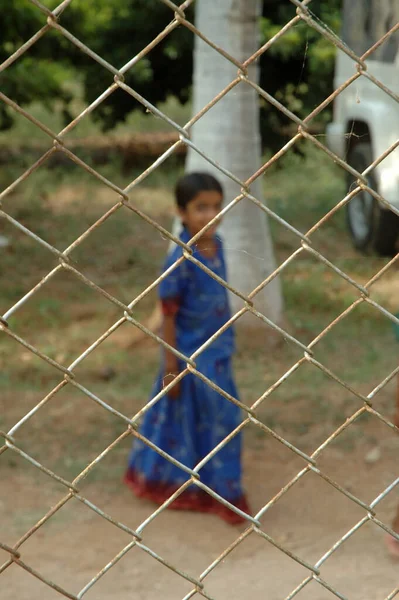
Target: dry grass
{"points": [[65, 317]]}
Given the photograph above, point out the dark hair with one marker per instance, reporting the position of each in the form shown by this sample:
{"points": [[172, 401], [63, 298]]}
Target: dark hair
{"points": [[192, 184]]}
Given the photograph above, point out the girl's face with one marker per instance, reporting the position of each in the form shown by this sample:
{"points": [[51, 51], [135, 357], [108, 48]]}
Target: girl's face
{"points": [[204, 207]]}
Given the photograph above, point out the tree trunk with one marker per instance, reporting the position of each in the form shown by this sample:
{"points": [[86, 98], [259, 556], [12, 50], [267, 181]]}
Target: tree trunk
{"points": [[366, 21], [229, 133]]}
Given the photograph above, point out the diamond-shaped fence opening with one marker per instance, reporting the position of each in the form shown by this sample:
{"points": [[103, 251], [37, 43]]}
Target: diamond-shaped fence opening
{"points": [[62, 370]]}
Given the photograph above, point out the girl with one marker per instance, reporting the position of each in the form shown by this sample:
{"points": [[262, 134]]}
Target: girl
{"points": [[193, 418]]}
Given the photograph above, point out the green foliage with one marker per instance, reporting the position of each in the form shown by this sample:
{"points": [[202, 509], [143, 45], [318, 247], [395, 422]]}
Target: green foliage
{"points": [[297, 69], [118, 31], [40, 73]]}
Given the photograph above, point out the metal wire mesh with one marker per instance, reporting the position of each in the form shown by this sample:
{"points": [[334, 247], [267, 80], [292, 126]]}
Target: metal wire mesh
{"points": [[67, 373]]}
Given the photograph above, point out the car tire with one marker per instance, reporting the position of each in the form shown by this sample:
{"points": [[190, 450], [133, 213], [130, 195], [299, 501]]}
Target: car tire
{"points": [[371, 227]]}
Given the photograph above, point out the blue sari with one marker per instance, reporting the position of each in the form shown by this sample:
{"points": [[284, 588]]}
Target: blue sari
{"points": [[190, 426]]}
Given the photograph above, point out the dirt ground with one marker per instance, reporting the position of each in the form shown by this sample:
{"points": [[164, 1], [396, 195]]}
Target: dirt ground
{"points": [[76, 543], [308, 520]]}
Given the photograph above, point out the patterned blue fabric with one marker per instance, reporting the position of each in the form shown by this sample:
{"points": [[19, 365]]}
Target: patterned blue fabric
{"points": [[204, 306], [189, 427]]}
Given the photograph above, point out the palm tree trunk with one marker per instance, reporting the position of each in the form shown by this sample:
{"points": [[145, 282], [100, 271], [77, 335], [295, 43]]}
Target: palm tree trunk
{"points": [[366, 21], [229, 133]]}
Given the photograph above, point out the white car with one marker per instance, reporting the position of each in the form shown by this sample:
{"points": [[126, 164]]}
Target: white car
{"points": [[365, 125]]}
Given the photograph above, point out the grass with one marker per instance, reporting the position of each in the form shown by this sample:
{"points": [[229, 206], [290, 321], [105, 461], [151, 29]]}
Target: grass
{"points": [[136, 122], [65, 316]]}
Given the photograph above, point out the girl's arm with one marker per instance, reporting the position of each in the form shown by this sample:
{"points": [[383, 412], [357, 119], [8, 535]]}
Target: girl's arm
{"points": [[171, 362]]}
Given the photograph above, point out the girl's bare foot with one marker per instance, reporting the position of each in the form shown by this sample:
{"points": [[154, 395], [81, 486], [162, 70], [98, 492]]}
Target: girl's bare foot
{"points": [[393, 546]]}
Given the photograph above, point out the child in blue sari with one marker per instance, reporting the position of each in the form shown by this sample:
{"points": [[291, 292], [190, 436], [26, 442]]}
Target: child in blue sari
{"points": [[193, 418]]}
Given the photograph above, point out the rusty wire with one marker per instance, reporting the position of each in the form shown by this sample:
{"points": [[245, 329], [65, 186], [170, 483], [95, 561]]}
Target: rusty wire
{"points": [[59, 143]]}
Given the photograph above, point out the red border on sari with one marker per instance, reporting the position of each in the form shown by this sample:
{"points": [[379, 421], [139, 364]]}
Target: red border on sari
{"points": [[195, 500]]}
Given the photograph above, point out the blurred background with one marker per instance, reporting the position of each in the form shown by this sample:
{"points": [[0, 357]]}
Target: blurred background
{"points": [[54, 81]]}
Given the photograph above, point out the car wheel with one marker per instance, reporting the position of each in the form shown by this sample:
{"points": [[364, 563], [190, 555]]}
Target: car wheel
{"points": [[371, 226]]}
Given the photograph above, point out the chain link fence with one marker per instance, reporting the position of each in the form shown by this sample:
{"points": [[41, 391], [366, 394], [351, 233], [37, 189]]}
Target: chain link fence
{"points": [[67, 373]]}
